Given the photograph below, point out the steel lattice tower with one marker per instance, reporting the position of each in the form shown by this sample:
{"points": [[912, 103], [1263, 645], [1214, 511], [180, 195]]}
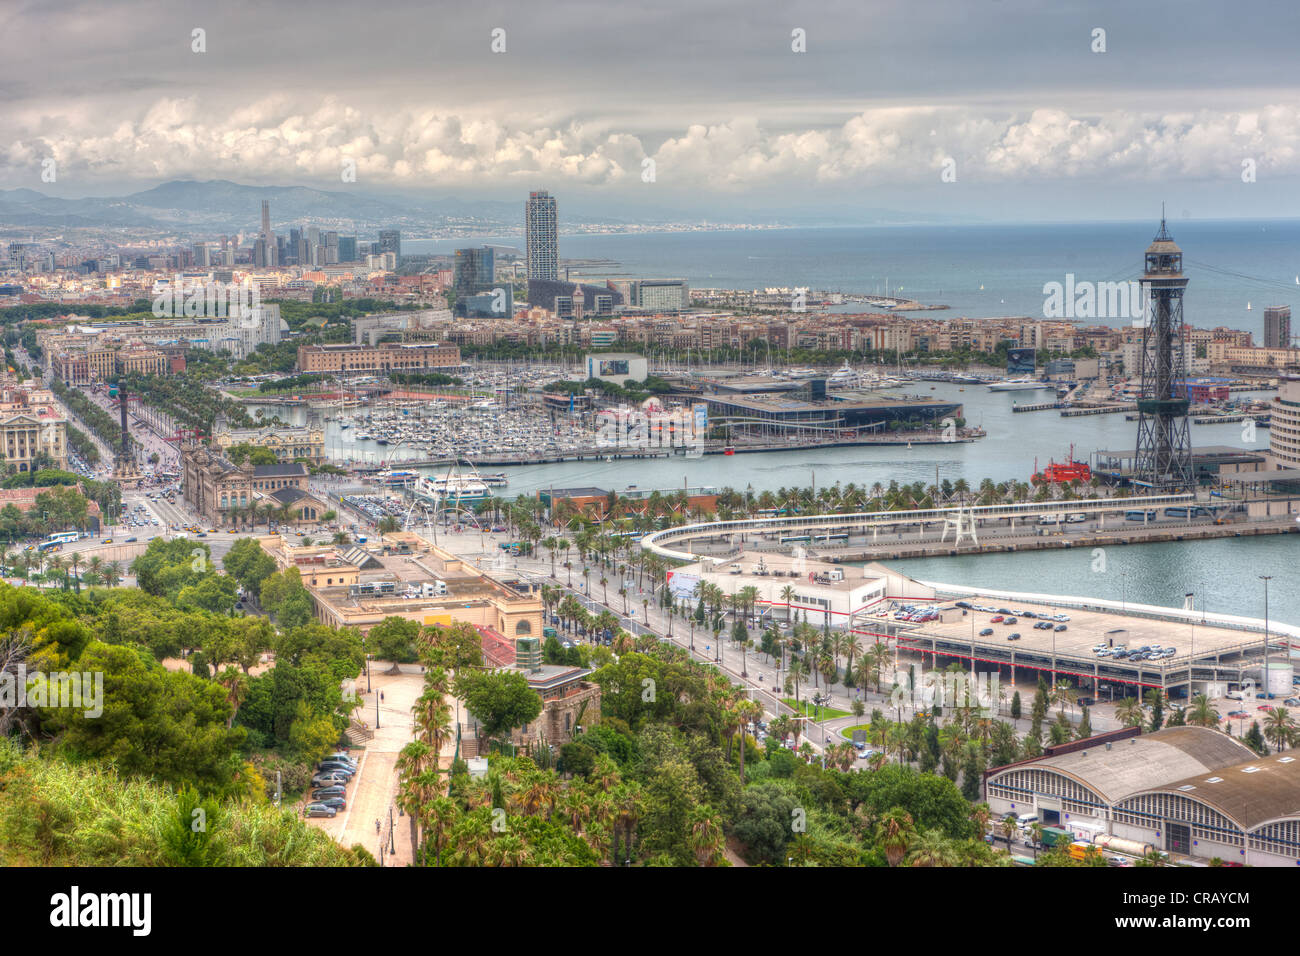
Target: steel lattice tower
{"points": [[1164, 448]]}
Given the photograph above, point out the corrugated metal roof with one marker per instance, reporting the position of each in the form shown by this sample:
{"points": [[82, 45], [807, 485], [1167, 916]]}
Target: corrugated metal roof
{"points": [[1150, 761]]}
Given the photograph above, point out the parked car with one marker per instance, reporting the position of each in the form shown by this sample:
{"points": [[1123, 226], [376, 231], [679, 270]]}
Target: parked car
{"points": [[319, 810], [996, 620], [1013, 636], [336, 803], [1010, 620], [986, 632], [324, 793], [1061, 627]]}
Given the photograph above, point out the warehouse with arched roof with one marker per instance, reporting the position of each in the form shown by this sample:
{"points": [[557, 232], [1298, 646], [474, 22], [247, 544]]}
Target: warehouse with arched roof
{"points": [[1185, 790]]}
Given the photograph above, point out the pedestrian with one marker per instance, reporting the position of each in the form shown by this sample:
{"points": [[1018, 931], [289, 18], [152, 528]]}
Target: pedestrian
{"points": [[381, 696]]}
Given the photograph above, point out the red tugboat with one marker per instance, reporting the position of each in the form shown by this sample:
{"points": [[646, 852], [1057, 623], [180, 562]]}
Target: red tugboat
{"points": [[1064, 472]]}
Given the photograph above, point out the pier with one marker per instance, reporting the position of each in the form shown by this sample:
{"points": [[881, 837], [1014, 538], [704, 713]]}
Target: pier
{"points": [[1100, 410]]}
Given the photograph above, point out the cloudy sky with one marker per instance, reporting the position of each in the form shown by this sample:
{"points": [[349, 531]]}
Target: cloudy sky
{"points": [[1007, 95]]}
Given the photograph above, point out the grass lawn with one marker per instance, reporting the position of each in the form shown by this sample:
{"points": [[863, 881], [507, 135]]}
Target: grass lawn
{"points": [[848, 731], [808, 710]]}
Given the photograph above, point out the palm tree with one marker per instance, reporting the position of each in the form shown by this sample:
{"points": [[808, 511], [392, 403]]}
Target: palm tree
{"points": [[787, 595], [113, 573], [932, 848], [705, 838], [1130, 712], [1201, 713], [894, 834], [74, 561], [1279, 728], [1009, 826], [415, 761]]}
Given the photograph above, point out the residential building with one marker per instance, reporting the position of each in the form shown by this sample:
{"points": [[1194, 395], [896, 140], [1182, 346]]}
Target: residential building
{"points": [[1277, 327], [541, 237]]}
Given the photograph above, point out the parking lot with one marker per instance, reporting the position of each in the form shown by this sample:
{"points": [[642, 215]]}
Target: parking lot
{"points": [[1085, 630]]}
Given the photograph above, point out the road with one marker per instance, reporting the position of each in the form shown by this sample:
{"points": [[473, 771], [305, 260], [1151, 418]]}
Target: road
{"points": [[759, 675]]}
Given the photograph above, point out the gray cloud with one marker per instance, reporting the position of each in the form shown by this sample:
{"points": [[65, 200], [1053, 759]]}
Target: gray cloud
{"points": [[711, 92]]}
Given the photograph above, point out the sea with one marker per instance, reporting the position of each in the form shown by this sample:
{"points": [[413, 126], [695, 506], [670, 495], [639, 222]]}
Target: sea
{"points": [[980, 271], [1236, 268]]}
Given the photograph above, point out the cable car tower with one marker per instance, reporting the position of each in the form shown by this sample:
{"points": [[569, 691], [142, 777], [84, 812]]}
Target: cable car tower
{"points": [[1164, 448]]}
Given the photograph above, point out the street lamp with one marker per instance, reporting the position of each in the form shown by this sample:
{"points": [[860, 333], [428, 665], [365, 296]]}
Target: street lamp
{"points": [[1266, 578]]}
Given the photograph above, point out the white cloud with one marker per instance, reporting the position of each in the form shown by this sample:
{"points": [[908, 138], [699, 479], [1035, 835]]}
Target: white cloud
{"points": [[277, 140]]}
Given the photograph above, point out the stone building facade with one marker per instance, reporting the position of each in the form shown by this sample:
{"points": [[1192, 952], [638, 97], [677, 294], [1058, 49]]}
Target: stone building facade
{"points": [[215, 487]]}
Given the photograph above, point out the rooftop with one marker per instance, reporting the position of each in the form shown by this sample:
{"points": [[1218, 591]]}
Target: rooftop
{"points": [[1141, 763], [1255, 791]]}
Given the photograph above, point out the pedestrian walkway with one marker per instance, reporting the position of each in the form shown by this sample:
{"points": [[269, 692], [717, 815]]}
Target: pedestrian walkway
{"points": [[373, 793]]}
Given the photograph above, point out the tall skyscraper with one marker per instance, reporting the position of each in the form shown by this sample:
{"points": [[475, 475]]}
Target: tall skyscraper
{"points": [[390, 240], [347, 248], [1277, 327], [541, 237], [265, 252], [475, 271]]}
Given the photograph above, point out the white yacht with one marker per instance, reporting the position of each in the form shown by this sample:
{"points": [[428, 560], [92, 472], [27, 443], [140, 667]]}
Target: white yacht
{"points": [[1017, 384]]}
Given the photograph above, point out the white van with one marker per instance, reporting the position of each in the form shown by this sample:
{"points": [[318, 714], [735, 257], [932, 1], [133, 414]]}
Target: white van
{"points": [[1024, 820], [1054, 518]]}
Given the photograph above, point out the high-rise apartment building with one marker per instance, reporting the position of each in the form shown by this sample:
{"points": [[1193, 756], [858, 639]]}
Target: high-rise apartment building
{"points": [[541, 237], [1277, 327]]}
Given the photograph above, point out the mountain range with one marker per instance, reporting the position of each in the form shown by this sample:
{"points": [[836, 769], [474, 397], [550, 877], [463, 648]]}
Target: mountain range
{"points": [[205, 210]]}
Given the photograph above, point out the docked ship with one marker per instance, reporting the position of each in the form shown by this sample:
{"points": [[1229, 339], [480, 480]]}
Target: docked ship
{"points": [[1063, 472], [1017, 384], [396, 479], [453, 488]]}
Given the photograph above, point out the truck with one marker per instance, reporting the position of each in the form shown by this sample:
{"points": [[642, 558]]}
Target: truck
{"points": [[1079, 850], [1052, 518], [1055, 836], [550, 632], [1119, 845]]}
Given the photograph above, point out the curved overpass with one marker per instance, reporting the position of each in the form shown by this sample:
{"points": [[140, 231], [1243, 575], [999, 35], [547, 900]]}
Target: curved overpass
{"points": [[864, 522]]}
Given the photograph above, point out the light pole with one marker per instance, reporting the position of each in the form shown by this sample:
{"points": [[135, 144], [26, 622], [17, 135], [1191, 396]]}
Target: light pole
{"points": [[1266, 578]]}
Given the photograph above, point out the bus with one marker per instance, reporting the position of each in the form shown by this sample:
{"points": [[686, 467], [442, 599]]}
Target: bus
{"points": [[1175, 512], [769, 512], [64, 537], [796, 539], [831, 537], [45, 547], [1147, 515]]}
